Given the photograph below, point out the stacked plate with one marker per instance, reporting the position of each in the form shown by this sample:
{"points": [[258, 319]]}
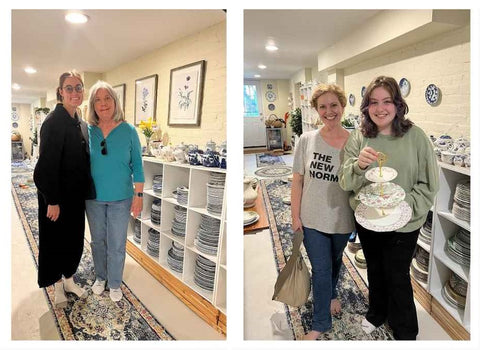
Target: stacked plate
{"points": [[182, 195], [419, 266], [179, 221], [137, 226], [426, 230], [360, 259], [204, 274], [156, 211], [458, 247], [250, 217], [461, 201], [215, 188], [157, 184], [207, 235], [175, 257], [455, 291], [153, 242]]}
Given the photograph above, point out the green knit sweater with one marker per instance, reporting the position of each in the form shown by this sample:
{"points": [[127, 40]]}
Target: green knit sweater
{"points": [[411, 155]]}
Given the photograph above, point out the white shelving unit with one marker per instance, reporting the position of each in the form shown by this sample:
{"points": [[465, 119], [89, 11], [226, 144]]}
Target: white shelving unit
{"points": [[196, 179], [444, 226], [309, 115]]}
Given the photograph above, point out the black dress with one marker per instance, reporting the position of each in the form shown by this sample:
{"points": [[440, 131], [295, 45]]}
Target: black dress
{"points": [[62, 176]]}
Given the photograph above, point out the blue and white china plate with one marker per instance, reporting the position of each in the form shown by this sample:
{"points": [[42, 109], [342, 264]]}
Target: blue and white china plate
{"points": [[351, 99], [271, 107], [432, 94], [364, 89], [404, 87], [270, 96]]}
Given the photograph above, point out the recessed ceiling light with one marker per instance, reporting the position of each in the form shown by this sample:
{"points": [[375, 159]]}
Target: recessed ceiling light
{"points": [[16, 86], [271, 47], [262, 66], [30, 70], [257, 76], [75, 17]]}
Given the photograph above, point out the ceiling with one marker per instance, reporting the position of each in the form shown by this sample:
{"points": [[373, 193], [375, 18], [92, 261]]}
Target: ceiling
{"points": [[299, 34], [44, 40]]}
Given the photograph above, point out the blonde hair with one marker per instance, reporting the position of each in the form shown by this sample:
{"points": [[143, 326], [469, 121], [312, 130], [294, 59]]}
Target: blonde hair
{"points": [[323, 89], [92, 115]]}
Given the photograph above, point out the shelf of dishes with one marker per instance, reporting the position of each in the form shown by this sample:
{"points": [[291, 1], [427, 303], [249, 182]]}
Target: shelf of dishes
{"points": [[200, 271]]}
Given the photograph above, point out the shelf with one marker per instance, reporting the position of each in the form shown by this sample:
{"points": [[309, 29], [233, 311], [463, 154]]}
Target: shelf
{"points": [[423, 245], [450, 217], [455, 312], [173, 237], [212, 258], [149, 223], [204, 211], [151, 193], [204, 293], [462, 271], [457, 169], [130, 238], [423, 285]]}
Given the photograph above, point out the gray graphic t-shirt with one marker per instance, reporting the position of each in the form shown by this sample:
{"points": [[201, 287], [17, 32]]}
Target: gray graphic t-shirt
{"points": [[324, 205]]}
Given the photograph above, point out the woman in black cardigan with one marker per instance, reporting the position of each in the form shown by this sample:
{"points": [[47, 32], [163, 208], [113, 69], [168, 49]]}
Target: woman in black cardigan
{"points": [[62, 176]]}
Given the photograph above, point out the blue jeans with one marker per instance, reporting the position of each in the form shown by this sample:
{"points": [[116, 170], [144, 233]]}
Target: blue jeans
{"points": [[325, 254], [108, 223]]}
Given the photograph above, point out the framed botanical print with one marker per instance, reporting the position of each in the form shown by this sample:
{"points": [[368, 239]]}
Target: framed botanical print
{"points": [[120, 90], [186, 94], [145, 98]]}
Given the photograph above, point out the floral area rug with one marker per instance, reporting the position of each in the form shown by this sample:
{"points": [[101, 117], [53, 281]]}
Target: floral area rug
{"points": [[22, 166], [273, 171], [352, 290], [96, 317], [265, 159]]}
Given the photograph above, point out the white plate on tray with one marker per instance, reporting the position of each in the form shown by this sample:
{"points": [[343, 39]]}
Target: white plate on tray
{"points": [[372, 218], [388, 174]]}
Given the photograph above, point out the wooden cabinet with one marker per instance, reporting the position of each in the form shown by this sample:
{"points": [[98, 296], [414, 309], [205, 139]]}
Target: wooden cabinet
{"points": [[274, 138], [208, 304], [17, 151]]}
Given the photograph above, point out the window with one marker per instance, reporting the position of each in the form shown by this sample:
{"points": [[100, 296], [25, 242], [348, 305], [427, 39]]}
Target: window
{"points": [[251, 107]]}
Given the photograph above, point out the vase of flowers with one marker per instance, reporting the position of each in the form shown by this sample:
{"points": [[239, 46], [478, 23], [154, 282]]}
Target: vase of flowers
{"points": [[148, 129]]}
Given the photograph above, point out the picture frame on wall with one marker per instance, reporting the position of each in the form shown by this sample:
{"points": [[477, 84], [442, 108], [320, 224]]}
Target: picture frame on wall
{"points": [[145, 98], [120, 90], [186, 94]]}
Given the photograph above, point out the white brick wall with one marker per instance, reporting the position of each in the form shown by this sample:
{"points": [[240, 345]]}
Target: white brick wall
{"points": [[444, 61]]}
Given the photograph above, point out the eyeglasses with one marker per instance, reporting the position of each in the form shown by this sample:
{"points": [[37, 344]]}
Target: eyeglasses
{"points": [[104, 146], [70, 88]]}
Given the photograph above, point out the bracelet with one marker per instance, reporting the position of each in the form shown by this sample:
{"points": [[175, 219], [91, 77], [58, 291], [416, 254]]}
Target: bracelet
{"points": [[139, 194]]}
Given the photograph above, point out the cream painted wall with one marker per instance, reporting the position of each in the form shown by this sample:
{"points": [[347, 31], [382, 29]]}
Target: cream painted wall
{"points": [[208, 45], [281, 88], [444, 61], [25, 117]]}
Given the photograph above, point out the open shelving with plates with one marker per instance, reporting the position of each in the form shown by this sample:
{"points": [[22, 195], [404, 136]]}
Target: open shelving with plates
{"points": [[454, 319], [309, 115], [182, 275]]}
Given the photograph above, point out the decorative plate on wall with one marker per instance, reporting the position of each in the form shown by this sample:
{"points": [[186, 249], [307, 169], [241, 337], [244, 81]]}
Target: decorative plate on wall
{"points": [[270, 96], [364, 89], [404, 87], [271, 107], [269, 86], [15, 125], [432, 94], [351, 99], [15, 117]]}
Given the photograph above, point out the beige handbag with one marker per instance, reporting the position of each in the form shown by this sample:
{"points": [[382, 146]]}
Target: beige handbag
{"points": [[293, 282]]}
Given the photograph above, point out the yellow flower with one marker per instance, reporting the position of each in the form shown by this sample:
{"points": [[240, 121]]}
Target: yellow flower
{"points": [[147, 127]]}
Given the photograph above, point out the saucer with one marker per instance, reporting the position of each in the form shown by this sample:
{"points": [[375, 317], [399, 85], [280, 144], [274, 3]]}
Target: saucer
{"points": [[250, 217], [388, 174]]}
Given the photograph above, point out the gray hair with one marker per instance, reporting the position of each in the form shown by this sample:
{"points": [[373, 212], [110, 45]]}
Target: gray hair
{"points": [[92, 115]]}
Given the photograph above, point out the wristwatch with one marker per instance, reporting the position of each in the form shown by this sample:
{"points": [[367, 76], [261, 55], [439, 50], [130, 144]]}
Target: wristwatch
{"points": [[139, 194]]}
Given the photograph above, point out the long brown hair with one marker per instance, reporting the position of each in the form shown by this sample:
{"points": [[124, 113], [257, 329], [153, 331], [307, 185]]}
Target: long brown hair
{"points": [[61, 80], [400, 125]]}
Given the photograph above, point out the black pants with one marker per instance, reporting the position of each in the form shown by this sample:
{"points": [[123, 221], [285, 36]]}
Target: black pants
{"points": [[388, 256], [60, 242]]}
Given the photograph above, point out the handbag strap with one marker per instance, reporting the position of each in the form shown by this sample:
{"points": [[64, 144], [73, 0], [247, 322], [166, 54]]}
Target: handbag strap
{"points": [[297, 242]]}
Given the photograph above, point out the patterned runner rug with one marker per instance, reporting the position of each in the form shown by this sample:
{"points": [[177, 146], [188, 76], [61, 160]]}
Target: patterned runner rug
{"points": [[352, 290], [264, 159], [96, 317]]}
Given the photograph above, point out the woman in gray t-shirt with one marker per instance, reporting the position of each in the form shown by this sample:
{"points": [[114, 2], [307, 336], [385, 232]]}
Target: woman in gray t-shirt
{"points": [[319, 206]]}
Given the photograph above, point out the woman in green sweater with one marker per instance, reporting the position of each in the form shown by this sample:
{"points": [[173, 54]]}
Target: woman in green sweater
{"points": [[389, 254]]}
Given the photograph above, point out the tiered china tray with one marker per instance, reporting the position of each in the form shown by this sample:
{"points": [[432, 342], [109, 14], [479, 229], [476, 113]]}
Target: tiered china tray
{"points": [[382, 206]]}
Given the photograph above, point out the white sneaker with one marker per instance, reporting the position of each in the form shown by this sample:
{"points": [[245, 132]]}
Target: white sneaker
{"points": [[71, 287], [116, 294], [98, 287], [367, 326]]}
